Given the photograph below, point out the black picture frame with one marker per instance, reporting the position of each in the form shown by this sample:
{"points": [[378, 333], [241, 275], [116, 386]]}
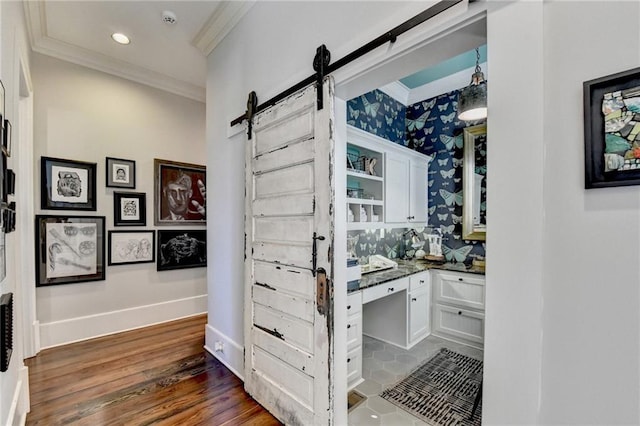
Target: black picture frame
{"points": [[69, 249], [185, 182], [6, 138], [128, 247], [606, 163], [129, 209], [120, 173], [67, 184], [181, 249]]}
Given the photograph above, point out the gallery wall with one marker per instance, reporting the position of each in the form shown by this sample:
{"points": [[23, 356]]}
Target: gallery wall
{"points": [[85, 115]]}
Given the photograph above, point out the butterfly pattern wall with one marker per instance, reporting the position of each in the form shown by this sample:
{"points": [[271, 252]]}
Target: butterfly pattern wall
{"points": [[390, 243], [378, 113], [431, 127]]}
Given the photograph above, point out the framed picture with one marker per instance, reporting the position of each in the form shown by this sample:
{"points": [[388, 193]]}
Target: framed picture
{"points": [[6, 138], [612, 130], [69, 249], [179, 249], [120, 173], [129, 208], [67, 184], [126, 247], [2, 114], [180, 196]]}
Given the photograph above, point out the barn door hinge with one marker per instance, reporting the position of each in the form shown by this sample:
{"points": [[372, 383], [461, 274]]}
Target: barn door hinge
{"points": [[314, 252], [320, 66], [252, 104]]}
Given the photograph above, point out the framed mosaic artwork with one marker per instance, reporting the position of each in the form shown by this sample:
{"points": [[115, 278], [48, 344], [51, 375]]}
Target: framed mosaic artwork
{"points": [[612, 130]]}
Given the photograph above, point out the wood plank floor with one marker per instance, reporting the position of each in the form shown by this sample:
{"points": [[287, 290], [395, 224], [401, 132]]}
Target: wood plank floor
{"points": [[158, 375]]}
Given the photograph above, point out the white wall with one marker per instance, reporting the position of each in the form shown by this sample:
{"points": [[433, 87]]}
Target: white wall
{"points": [[86, 115], [270, 49], [591, 316], [14, 386]]}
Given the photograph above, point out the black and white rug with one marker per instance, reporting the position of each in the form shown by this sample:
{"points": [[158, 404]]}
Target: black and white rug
{"points": [[441, 391]]}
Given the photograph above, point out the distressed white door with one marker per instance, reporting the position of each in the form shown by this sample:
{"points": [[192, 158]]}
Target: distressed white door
{"points": [[289, 296]]}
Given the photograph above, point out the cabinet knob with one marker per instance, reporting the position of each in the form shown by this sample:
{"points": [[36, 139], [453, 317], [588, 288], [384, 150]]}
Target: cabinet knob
{"points": [[460, 279], [348, 306], [421, 281], [390, 289], [348, 359], [413, 299], [459, 312], [348, 325]]}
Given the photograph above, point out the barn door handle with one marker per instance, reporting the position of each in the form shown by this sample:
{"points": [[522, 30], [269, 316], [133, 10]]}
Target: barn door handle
{"points": [[314, 252]]}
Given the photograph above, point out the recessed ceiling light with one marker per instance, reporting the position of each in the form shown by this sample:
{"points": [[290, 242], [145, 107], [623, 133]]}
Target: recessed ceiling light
{"points": [[120, 38]]}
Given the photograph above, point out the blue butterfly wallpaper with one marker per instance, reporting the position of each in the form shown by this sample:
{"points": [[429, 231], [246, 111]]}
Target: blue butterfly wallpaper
{"points": [[378, 113], [431, 127]]}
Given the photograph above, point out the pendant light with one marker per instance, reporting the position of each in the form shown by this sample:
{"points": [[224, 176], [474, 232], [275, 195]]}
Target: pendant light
{"points": [[472, 101]]}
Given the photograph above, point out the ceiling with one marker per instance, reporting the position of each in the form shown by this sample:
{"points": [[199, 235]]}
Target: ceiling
{"points": [[168, 57]]}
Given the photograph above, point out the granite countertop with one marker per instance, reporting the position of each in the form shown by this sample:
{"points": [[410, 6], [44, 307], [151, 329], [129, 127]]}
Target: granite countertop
{"points": [[406, 268]]}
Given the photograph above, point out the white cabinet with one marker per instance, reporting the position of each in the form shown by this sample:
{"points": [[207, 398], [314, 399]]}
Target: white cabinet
{"points": [[354, 339], [418, 307], [393, 190], [458, 309], [405, 189]]}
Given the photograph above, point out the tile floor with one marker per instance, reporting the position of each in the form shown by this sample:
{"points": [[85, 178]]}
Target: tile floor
{"points": [[383, 365]]}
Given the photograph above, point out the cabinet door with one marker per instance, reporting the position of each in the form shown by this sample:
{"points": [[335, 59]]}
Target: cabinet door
{"points": [[418, 191], [418, 315], [396, 189]]}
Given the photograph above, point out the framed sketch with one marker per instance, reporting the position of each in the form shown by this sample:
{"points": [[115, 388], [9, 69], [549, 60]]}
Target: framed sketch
{"points": [[129, 208], [3, 255], [612, 130], [120, 173], [67, 184], [2, 114], [69, 249], [6, 138], [126, 247], [179, 249], [180, 195]]}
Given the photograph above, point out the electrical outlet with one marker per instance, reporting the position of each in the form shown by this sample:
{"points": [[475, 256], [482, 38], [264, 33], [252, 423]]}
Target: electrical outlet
{"points": [[218, 346]]}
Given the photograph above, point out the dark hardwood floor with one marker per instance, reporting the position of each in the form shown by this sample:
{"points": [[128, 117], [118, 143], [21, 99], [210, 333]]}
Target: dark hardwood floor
{"points": [[158, 375]]}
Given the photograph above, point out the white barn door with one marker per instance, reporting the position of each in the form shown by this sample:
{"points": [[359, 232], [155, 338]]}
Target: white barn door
{"points": [[289, 223]]}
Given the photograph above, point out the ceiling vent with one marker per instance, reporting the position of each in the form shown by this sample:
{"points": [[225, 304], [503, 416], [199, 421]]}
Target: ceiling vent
{"points": [[169, 18]]}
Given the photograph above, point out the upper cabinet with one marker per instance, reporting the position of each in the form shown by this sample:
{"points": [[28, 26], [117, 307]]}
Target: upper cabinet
{"points": [[406, 188], [386, 182]]}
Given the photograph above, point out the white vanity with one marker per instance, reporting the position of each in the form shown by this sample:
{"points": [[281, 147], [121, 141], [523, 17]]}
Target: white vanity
{"points": [[405, 310]]}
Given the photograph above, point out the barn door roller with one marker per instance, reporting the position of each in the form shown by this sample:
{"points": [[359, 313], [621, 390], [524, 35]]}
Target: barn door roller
{"points": [[323, 68]]}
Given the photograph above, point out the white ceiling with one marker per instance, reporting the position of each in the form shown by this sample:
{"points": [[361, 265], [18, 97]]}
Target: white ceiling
{"points": [[169, 57]]}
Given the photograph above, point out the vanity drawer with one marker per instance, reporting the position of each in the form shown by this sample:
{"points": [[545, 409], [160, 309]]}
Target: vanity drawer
{"points": [[354, 331], [418, 281], [460, 290], [373, 293], [460, 323], [354, 303], [354, 367]]}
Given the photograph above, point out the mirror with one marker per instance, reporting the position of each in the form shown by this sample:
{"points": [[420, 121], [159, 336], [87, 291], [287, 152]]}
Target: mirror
{"points": [[474, 183]]}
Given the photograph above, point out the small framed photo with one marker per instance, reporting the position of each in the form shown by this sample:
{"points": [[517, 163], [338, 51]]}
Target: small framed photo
{"points": [[129, 209], [180, 196], [612, 130], [6, 138], [179, 249], [126, 247], [67, 184], [121, 173], [69, 249]]}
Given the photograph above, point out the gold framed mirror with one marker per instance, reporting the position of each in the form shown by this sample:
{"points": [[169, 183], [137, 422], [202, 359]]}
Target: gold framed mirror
{"points": [[474, 178]]}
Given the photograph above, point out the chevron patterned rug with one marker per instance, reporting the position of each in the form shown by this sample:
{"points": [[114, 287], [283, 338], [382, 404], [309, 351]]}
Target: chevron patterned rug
{"points": [[441, 391]]}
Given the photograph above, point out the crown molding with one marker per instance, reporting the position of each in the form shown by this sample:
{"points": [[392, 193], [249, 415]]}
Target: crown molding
{"points": [[35, 13], [223, 19], [397, 91]]}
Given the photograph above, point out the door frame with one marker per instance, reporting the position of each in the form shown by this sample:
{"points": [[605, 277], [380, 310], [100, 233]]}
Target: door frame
{"points": [[375, 70]]}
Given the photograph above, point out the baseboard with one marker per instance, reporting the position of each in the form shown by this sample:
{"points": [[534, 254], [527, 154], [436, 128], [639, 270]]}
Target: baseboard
{"points": [[82, 328], [231, 355], [20, 402]]}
